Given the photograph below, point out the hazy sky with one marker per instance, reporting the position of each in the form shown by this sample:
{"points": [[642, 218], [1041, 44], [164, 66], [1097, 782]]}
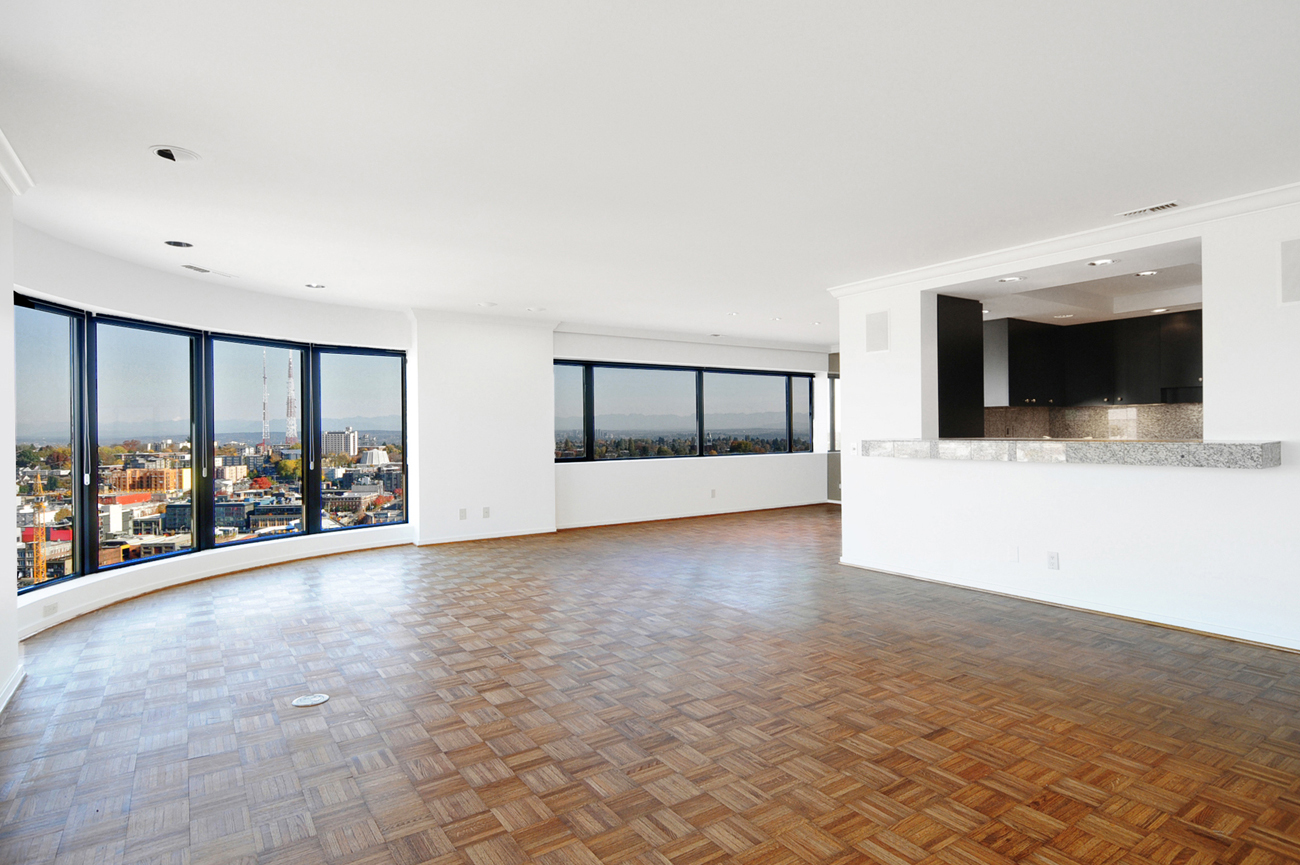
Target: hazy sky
{"points": [[237, 385], [644, 391], [144, 381], [42, 344], [734, 394]]}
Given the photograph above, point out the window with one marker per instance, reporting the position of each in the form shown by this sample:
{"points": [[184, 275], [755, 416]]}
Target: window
{"points": [[46, 435], [606, 411], [363, 439], [644, 412], [136, 441], [257, 464], [800, 413], [570, 426], [744, 413], [835, 412], [144, 435]]}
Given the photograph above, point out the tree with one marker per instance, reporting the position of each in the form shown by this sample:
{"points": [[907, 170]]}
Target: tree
{"points": [[260, 483], [26, 457], [133, 446], [289, 469]]}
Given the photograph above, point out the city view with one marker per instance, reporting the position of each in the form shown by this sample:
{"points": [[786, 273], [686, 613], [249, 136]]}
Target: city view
{"points": [[146, 467]]}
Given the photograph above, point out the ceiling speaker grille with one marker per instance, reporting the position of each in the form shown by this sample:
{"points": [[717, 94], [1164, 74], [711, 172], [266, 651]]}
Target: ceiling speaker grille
{"points": [[1155, 208]]}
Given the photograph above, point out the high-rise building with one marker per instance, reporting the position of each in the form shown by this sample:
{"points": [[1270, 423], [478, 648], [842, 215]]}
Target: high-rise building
{"points": [[344, 442]]}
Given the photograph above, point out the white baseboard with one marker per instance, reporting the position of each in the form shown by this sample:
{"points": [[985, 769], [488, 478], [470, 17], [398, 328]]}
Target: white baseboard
{"points": [[1208, 629], [11, 685], [485, 536], [684, 515]]}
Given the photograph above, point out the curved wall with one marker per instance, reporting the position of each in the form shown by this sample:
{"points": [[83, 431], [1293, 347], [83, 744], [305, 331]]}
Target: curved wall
{"points": [[55, 270]]}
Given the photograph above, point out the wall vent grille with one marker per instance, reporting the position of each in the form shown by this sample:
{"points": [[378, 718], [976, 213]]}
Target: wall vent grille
{"points": [[1155, 208]]}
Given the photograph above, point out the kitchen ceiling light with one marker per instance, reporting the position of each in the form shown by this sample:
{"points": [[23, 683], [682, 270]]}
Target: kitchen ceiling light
{"points": [[1101, 261], [178, 243], [1162, 309], [1070, 315], [1148, 273], [777, 318], [986, 312], [1011, 279]]}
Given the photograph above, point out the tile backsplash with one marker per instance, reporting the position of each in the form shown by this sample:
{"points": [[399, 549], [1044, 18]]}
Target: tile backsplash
{"points": [[1174, 422]]}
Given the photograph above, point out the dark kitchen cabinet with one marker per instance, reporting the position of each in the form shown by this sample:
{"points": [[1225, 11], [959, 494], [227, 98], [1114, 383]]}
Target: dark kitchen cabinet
{"points": [[1137, 360], [1033, 363], [1180, 350], [1130, 361], [961, 367]]}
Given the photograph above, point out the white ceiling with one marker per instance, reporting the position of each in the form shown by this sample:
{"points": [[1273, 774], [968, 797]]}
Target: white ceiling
{"points": [[1079, 292], [655, 165]]}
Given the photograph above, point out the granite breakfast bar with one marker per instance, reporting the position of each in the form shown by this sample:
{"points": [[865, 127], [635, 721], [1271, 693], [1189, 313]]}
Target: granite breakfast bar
{"points": [[1229, 455]]}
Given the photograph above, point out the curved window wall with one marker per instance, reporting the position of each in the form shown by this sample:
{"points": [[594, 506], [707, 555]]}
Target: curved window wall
{"points": [[137, 441]]}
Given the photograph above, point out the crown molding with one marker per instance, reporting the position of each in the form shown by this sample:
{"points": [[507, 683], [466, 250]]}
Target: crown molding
{"points": [[12, 171], [584, 329], [1182, 222]]}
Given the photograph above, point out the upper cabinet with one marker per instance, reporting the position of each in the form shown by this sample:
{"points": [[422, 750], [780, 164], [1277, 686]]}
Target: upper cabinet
{"points": [[1131, 361]]}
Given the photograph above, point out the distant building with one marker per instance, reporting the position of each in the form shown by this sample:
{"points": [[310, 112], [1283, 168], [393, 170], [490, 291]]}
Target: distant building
{"points": [[344, 442], [374, 457], [234, 472], [177, 518], [274, 516], [144, 479]]}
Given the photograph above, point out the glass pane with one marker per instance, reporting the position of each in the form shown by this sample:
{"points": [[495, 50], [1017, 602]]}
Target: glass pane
{"points": [[363, 469], [801, 412], [257, 452], [644, 413], [744, 414], [835, 418], [43, 423], [145, 477], [570, 437]]}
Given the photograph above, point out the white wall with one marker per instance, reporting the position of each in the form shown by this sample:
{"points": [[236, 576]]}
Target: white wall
{"points": [[486, 397], [52, 269], [1211, 549], [11, 666], [624, 491]]}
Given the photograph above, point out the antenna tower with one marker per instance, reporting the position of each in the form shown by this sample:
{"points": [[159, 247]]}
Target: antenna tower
{"points": [[266, 417], [291, 411]]}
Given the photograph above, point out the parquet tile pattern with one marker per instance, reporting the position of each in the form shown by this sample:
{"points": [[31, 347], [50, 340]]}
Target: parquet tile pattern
{"points": [[700, 691]]}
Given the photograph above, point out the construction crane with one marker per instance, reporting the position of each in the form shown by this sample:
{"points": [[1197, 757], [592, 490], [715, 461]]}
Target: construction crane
{"points": [[39, 566]]}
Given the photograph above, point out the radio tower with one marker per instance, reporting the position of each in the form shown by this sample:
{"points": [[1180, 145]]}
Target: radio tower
{"points": [[291, 411], [266, 417]]}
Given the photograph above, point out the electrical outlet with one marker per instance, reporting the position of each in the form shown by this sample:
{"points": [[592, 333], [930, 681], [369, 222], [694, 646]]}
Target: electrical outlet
{"points": [[487, 512], [713, 494], [464, 513], [1054, 561], [49, 610]]}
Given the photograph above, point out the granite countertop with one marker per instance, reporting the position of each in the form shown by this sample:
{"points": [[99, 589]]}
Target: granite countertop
{"points": [[1127, 452]]}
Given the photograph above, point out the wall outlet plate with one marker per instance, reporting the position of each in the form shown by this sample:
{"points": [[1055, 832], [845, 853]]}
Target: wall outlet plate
{"points": [[464, 513], [1054, 561]]}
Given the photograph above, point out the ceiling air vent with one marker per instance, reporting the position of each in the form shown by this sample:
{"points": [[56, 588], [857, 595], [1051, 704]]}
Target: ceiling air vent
{"points": [[1155, 208], [195, 268]]}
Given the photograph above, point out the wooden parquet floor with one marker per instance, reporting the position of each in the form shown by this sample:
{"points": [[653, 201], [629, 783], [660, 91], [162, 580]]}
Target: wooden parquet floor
{"points": [[700, 691]]}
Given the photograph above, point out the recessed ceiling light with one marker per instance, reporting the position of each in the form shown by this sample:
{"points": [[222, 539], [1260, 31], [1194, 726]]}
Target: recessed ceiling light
{"points": [[776, 318], [486, 303], [986, 312], [1099, 262], [1162, 309], [179, 243], [1148, 273], [816, 322], [314, 285], [733, 313], [1067, 315], [1011, 279], [715, 334], [173, 153], [535, 309]]}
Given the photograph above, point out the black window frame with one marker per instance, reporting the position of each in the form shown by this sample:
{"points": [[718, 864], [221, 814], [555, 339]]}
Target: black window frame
{"points": [[85, 462], [589, 408], [831, 398]]}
